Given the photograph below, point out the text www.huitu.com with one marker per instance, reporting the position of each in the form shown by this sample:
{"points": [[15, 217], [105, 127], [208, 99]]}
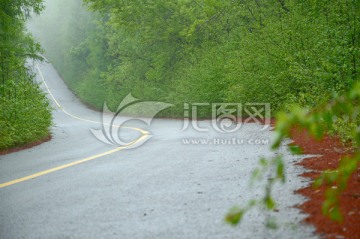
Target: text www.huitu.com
{"points": [[224, 141]]}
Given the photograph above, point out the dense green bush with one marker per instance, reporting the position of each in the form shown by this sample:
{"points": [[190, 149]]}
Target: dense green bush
{"points": [[205, 51], [24, 110], [25, 115]]}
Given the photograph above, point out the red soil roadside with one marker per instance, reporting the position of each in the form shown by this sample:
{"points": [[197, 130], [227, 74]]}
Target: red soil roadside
{"points": [[26, 146], [330, 151]]}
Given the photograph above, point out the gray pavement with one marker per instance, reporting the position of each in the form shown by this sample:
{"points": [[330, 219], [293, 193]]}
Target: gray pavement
{"points": [[165, 188]]}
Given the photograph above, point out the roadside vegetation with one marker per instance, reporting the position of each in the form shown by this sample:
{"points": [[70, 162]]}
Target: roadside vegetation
{"points": [[303, 57], [24, 110], [278, 52]]}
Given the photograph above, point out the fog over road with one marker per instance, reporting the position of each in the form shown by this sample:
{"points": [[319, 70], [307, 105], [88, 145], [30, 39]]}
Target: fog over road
{"points": [[166, 188]]}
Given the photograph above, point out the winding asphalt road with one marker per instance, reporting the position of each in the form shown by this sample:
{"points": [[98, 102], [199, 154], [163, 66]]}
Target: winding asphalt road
{"points": [[76, 186]]}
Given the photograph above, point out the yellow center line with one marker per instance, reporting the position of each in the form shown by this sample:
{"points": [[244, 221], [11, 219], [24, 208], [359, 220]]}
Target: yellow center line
{"points": [[144, 133], [42, 173], [46, 86]]}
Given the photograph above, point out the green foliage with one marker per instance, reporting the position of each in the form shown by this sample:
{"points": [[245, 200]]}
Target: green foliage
{"points": [[24, 111], [319, 121], [25, 118], [203, 51], [321, 63], [236, 214], [336, 180]]}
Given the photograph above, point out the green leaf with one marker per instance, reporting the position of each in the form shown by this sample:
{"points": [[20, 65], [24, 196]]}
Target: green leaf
{"points": [[319, 181], [335, 214], [269, 202], [296, 150], [235, 216], [280, 169]]}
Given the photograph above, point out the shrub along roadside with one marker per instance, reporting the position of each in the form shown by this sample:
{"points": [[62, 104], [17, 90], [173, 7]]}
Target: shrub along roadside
{"points": [[25, 114]]}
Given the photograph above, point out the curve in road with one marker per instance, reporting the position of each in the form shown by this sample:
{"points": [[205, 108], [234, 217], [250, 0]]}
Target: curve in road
{"points": [[167, 188], [143, 137]]}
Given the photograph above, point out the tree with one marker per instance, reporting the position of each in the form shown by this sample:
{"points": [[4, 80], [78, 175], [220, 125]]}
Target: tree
{"points": [[21, 101]]}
